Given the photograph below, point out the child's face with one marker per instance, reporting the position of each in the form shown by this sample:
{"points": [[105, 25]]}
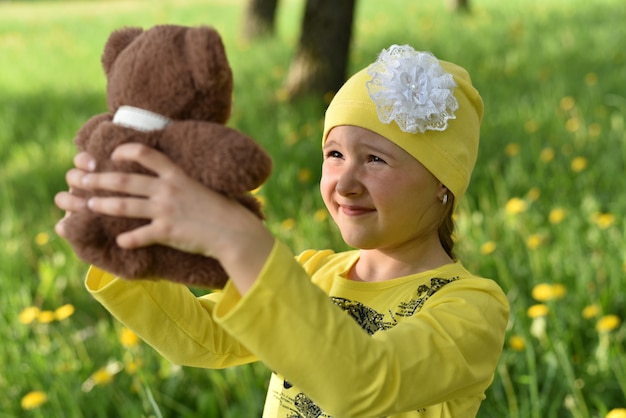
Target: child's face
{"points": [[379, 196]]}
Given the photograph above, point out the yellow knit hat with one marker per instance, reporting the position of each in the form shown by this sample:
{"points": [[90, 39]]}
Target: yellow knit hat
{"points": [[426, 106]]}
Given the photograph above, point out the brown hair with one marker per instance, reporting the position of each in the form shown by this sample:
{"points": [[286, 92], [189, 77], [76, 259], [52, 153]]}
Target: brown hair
{"points": [[446, 227]]}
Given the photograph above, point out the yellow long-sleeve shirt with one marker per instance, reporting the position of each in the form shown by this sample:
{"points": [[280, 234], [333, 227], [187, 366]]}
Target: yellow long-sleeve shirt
{"points": [[425, 345]]}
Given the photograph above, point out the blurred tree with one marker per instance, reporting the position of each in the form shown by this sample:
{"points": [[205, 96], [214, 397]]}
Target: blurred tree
{"points": [[259, 18], [320, 62], [460, 5]]}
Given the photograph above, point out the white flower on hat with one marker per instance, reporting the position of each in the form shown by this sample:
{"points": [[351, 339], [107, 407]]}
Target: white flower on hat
{"points": [[410, 88]]}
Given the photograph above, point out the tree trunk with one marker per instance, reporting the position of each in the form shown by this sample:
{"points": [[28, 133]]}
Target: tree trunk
{"points": [[259, 18], [319, 65], [459, 5]]}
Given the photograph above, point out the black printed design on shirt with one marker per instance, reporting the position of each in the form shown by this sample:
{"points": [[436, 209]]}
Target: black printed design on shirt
{"points": [[301, 406], [370, 320], [424, 292]]}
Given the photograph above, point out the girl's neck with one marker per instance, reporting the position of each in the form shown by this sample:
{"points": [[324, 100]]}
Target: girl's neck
{"points": [[379, 265]]}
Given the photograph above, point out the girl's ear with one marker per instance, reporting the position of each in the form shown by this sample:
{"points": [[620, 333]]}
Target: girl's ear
{"points": [[443, 190], [117, 42]]}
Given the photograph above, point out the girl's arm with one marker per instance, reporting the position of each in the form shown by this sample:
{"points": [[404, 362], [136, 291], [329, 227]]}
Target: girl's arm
{"points": [[447, 352], [170, 318]]}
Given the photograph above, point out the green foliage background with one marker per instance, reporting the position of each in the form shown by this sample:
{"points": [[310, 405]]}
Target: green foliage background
{"points": [[554, 140]]}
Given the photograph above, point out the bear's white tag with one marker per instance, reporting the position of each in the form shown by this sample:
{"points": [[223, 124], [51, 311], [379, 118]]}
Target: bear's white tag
{"points": [[139, 119]]}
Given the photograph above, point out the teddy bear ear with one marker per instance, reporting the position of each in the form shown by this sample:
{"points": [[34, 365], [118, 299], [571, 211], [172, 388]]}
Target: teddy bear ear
{"points": [[207, 58], [117, 42]]}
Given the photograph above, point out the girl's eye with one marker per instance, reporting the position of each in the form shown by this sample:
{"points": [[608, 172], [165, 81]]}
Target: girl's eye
{"points": [[334, 154], [375, 159]]}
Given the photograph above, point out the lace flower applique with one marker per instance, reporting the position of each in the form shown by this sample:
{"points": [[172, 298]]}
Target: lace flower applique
{"points": [[411, 88]]}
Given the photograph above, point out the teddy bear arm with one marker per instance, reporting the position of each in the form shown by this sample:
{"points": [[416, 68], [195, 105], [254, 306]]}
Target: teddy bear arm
{"points": [[218, 156], [86, 131]]}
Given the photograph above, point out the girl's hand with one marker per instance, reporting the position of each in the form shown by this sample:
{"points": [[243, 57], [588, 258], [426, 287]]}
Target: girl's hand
{"points": [[184, 214], [67, 201]]}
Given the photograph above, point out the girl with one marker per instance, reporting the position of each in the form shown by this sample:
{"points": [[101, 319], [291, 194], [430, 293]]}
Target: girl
{"points": [[397, 327]]}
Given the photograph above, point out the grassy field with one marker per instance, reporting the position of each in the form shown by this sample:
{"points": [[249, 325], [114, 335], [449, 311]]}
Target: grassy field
{"points": [[544, 215]]}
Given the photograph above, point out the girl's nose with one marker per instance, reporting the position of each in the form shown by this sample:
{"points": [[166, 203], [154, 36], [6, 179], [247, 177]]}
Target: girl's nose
{"points": [[348, 182]]}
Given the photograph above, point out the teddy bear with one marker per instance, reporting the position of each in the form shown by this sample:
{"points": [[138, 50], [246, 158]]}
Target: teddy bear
{"points": [[169, 87]]}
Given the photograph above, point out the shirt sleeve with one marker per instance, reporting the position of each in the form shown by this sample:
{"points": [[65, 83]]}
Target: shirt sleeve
{"points": [[448, 350], [170, 318]]}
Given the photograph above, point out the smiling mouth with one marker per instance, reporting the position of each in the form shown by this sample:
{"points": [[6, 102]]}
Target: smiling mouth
{"points": [[355, 210]]}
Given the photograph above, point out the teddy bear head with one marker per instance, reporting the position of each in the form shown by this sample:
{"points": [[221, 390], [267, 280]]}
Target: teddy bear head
{"points": [[179, 72]]}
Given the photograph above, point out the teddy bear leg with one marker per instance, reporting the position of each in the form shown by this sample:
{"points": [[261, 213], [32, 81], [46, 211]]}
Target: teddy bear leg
{"points": [[93, 236], [189, 269]]}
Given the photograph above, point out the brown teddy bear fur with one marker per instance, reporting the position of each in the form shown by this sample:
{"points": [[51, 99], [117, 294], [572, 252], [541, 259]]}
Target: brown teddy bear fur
{"points": [[183, 74]]}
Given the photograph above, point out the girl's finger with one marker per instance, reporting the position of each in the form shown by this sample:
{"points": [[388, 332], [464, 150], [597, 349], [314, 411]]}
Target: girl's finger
{"points": [[74, 177], [148, 157], [84, 161], [126, 207], [128, 183], [68, 202], [138, 237]]}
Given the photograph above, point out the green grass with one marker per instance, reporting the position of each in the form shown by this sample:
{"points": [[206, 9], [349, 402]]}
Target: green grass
{"points": [[551, 75]]}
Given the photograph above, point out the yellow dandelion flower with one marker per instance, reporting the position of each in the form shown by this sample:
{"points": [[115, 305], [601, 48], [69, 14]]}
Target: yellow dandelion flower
{"points": [[544, 292], [533, 194], [617, 413], [517, 343], [556, 215], [487, 248], [591, 311], [608, 323], [28, 315], [572, 125], [320, 215], [257, 190], [595, 129], [603, 220], [45, 317], [515, 206], [541, 292], [288, 224], [102, 376], [537, 311], [33, 399], [531, 126], [547, 155], [128, 338], [304, 175], [579, 164], [591, 79], [512, 149], [534, 241], [42, 238], [64, 312], [567, 103]]}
